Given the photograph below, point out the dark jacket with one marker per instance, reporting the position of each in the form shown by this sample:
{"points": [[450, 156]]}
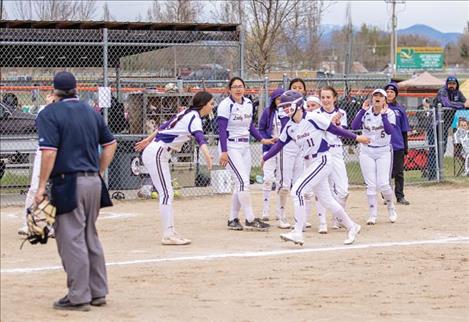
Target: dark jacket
{"points": [[267, 119], [451, 98]]}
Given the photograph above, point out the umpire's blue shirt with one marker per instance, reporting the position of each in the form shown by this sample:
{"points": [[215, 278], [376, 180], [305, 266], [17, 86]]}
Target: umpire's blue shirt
{"points": [[75, 131]]}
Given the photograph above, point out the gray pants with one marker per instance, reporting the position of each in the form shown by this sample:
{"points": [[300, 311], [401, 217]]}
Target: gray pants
{"points": [[79, 246]]}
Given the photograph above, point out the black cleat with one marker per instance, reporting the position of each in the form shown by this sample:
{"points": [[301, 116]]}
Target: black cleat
{"points": [[234, 224], [257, 225], [98, 301], [402, 201], [65, 304]]}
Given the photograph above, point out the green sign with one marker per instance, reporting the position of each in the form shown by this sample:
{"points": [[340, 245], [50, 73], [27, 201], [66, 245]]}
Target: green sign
{"points": [[422, 58]]}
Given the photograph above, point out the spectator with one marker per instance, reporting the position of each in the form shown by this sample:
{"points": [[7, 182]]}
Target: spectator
{"points": [[461, 136], [452, 99]]}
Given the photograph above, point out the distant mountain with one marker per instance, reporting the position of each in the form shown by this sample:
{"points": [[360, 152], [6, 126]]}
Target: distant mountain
{"points": [[443, 38]]}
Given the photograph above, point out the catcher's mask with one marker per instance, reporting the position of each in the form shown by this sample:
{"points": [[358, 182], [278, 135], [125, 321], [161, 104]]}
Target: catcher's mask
{"points": [[290, 102], [39, 219]]}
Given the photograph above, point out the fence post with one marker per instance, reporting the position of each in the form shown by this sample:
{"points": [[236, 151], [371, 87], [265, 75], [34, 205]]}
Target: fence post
{"points": [[441, 153], [105, 84]]}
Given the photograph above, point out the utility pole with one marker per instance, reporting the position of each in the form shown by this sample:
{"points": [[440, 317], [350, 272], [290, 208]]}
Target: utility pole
{"points": [[393, 34], [393, 38], [348, 49]]}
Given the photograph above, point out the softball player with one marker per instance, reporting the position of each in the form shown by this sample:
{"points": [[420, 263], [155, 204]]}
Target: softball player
{"points": [[291, 162], [338, 179], [309, 135], [156, 155], [234, 127], [377, 122], [312, 103], [269, 127], [23, 230]]}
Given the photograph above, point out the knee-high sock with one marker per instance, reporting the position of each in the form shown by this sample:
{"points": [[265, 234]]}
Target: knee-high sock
{"points": [[342, 217], [321, 212], [280, 210], [244, 198], [167, 220], [283, 195], [308, 207], [300, 218], [265, 209], [372, 205], [235, 206], [388, 196]]}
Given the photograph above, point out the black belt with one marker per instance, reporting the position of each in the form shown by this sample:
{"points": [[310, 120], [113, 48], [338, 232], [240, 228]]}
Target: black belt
{"points": [[239, 140], [87, 174], [335, 145], [376, 146]]}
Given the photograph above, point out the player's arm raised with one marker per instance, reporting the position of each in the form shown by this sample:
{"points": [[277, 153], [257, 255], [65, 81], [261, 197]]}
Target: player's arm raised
{"points": [[347, 134]]}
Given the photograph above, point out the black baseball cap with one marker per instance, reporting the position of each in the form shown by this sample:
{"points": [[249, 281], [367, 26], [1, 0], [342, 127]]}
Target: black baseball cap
{"points": [[64, 81]]}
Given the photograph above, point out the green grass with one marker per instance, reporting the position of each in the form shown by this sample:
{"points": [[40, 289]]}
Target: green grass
{"points": [[14, 183]]}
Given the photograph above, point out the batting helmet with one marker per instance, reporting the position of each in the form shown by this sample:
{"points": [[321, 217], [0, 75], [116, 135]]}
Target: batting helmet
{"points": [[290, 101]]}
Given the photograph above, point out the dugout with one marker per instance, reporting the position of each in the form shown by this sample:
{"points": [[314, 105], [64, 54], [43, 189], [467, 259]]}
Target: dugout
{"points": [[118, 55]]}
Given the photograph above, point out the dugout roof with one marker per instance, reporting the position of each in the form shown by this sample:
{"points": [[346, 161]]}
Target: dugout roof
{"points": [[26, 43]]}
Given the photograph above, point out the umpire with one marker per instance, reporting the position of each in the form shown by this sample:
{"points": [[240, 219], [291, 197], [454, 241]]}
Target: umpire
{"points": [[70, 132]]}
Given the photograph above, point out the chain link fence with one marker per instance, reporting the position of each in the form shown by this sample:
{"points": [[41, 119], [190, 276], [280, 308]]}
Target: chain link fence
{"points": [[138, 79]]}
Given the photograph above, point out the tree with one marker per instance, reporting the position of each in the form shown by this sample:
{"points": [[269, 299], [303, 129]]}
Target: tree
{"points": [[264, 24], [301, 35], [230, 11], [107, 13], [182, 11], [85, 9], [55, 9], [23, 10], [155, 12]]}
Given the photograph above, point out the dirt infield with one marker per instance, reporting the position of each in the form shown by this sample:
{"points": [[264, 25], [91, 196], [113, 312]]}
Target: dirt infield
{"points": [[414, 270]]}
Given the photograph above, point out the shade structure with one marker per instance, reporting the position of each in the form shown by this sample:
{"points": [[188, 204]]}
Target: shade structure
{"points": [[424, 80]]}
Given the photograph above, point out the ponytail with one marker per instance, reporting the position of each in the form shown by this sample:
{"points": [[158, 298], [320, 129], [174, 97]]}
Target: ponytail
{"points": [[198, 102]]}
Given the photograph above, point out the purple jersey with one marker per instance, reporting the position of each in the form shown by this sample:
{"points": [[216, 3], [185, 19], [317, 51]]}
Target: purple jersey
{"points": [[402, 125]]}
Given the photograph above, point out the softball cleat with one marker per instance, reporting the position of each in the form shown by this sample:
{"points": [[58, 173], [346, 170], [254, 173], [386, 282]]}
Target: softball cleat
{"points": [[322, 229], [175, 240], [392, 215], [256, 225], [294, 237], [371, 220], [352, 234], [234, 224], [283, 224]]}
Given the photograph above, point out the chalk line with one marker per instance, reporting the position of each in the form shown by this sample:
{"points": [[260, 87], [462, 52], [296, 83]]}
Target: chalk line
{"points": [[254, 254]]}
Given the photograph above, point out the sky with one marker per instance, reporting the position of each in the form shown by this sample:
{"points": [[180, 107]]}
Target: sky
{"points": [[445, 16]]}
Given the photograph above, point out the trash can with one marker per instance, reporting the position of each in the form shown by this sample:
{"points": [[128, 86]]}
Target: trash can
{"points": [[121, 176]]}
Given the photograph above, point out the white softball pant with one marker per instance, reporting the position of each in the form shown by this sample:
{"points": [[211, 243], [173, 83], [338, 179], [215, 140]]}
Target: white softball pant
{"points": [[239, 164], [291, 163], [376, 166], [315, 180], [338, 178], [155, 158], [338, 182], [271, 172]]}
